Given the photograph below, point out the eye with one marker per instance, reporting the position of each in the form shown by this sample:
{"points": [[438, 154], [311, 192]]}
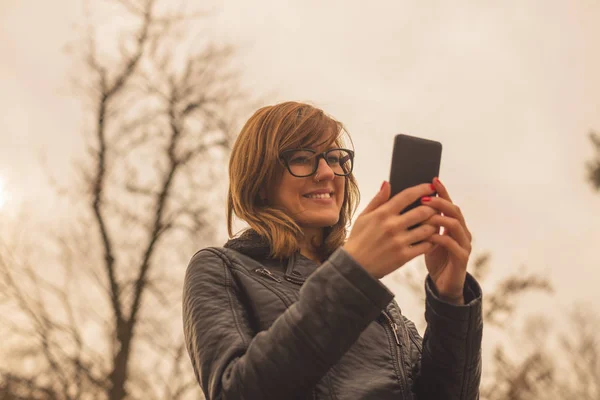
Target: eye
{"points": [[333, 160], [299, 160]]}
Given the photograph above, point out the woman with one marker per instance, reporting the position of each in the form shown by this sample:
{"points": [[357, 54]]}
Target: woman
{"points": [[292, 309]]}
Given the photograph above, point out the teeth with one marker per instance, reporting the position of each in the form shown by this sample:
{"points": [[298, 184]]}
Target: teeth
{"points": [[319, 196]]}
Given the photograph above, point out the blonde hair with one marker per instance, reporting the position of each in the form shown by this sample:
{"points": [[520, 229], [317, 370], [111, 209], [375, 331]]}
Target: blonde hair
{"points": [[255, 163]]}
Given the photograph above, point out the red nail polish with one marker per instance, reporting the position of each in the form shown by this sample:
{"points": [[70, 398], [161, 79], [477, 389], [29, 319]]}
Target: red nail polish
{"points": [[425, 199], [437, 180], [432, 186], [382, 185]]}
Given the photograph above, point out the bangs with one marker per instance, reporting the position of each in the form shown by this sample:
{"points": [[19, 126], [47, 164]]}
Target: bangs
{"points": [[313, 130]]}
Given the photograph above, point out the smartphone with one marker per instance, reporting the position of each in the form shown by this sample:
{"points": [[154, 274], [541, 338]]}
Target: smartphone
{"points": [[415, 160]]}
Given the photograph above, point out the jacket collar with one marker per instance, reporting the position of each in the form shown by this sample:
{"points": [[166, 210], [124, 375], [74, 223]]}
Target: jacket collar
{"points": [[257, 247], [251, 244]]}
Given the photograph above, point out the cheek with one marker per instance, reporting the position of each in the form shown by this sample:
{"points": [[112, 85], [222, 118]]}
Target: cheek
{"points": [[287, 192], [340, 187]]}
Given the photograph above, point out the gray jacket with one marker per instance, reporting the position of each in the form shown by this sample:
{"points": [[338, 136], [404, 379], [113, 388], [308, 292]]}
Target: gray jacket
{"points": [[259, 328]]}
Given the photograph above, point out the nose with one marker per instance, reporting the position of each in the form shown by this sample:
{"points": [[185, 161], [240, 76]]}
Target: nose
{"points": [[324, 171]]}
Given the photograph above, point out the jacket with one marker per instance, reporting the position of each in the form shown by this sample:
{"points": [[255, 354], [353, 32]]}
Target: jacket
{"points": [[260, 328]]}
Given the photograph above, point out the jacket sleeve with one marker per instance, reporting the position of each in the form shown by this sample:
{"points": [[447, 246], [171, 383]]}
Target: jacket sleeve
{"points": [[336, 303], [451, 356]]}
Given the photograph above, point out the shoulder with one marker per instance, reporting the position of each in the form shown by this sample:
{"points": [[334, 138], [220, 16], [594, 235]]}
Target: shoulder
{"points": [[211, 258], [208, 254]]}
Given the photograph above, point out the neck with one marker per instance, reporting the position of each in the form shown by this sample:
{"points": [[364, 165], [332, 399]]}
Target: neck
{"points": [[307, 244]]}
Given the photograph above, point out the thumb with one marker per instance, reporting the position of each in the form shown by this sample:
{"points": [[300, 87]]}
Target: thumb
{"points": [[380, 198]]}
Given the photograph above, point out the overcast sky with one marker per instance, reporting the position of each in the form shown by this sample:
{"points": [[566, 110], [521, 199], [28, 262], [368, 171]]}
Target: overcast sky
{"points": [[510, 89]]}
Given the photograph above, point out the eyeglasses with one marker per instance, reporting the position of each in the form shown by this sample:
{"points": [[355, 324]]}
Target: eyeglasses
{"points": [[304, 162]]}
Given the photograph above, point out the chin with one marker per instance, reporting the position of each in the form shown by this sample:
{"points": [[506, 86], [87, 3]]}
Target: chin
{"points": [[322, 222]]}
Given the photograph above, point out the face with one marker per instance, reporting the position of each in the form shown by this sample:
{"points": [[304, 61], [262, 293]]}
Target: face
{"points": [[312, 204]]}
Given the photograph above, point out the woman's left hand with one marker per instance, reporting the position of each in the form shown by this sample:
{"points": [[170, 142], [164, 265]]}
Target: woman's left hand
{"points": [[447, 260]]}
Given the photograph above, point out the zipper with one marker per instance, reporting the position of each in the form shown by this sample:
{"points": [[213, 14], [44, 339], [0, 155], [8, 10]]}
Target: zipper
{"points": [[283, 296], [414, 339], [298, 281], [266, 272], [394, 327]]}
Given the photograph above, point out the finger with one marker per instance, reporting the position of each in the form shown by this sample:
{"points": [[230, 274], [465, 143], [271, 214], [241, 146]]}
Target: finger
{"points": [[451, 245], [443, 194], [380, 198], [415, 216], [441, 189], [453, 228], [444, 206], [420, 233], [437, 228], [408, 196], [417, 249]]}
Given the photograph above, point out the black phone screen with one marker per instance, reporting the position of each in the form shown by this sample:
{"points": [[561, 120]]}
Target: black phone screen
{"points": [[414, 161]]}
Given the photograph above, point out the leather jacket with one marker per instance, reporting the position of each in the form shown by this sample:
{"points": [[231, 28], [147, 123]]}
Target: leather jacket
{"points": [[261, 328]]}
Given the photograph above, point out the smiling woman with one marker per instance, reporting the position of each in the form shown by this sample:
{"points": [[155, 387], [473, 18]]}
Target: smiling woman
{"points": [[294, 308]]}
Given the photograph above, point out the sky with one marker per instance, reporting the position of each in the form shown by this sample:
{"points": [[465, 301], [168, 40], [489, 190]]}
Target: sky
{"points": [[511, 89]]}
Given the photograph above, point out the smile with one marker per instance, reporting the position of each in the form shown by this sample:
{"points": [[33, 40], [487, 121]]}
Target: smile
{"points": [[318, 196]]}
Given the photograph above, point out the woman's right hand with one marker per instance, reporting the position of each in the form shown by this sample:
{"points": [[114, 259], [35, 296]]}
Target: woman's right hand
{"points": [[380, 240]]}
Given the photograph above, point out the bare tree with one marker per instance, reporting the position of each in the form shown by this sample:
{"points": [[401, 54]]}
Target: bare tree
{"points": [[569, 369], [580, 374], [101, 316], [559, 362], [593, 166], [522, 369]]}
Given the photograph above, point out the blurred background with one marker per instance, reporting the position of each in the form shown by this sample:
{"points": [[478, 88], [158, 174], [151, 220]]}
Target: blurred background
{"points": [[117, 117]]}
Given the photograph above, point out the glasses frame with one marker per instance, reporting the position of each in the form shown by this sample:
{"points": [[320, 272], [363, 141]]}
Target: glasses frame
{"points": [[318, 157]]}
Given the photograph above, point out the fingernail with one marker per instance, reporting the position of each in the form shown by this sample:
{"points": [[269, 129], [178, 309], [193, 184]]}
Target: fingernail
{"points": [[382, 185], [425, 199], [432, 186], [437, 180]]}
